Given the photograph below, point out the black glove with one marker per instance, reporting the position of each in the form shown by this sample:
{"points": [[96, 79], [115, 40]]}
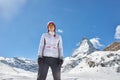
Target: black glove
{"points": [[40, 60], [60, 61]]}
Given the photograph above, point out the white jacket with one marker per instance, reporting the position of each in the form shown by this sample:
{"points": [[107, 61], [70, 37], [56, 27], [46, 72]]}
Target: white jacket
{"points": [[50, 46]]}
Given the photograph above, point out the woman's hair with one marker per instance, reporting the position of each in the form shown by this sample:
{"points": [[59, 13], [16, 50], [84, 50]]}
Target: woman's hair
{"points": [[51, 22]]}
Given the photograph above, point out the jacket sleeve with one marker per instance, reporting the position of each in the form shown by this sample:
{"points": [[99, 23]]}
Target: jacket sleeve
{"points": [[41, 46], [60, 48]]}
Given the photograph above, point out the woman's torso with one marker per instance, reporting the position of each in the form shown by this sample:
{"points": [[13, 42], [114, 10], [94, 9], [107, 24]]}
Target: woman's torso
{"points": [[51, 45]]}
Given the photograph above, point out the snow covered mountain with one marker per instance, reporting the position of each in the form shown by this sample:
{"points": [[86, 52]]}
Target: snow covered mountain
{"points": [[99, 65], [17, 69], [85, 48], [86, 56], [21, 63]]}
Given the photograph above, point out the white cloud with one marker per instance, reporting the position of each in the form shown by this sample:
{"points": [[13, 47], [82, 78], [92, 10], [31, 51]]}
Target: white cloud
{"points": [[117, 32], [96, 43], [10, 8], [60, 30]]}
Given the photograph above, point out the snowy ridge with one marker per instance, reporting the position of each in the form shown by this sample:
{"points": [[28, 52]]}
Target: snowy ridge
{"points": [[99, 65], [96, 59], [21, 63]]}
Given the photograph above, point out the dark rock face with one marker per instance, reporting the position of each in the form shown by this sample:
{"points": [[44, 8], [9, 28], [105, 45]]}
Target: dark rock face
{"points": [[115, 46]]}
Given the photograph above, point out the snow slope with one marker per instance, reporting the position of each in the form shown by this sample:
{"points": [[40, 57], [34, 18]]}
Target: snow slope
{"points": [[10, 73]]}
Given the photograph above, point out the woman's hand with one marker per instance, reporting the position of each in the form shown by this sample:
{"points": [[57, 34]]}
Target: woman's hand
{"points": [[60, 62], [40, 60]]}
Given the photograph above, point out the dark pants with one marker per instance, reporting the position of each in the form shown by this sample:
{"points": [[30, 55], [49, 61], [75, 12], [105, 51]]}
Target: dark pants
{"points": [[43, 68]]}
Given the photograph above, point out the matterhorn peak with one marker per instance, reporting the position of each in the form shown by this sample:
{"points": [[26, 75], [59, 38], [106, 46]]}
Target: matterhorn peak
{"points": [[85, 48]]}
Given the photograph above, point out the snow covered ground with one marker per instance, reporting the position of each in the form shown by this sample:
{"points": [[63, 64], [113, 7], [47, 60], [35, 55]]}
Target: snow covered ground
{"points": [[81, 71], [10, 73], [87, 73]]}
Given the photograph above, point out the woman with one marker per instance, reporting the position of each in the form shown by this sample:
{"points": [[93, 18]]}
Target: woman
{"points": [[50, 53]]}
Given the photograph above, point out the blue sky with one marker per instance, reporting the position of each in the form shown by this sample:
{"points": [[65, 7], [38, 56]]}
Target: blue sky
{"points": [[22, 23]]}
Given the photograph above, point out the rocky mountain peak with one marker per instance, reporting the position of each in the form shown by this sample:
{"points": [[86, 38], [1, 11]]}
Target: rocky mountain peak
{"points": [[85, 48]]}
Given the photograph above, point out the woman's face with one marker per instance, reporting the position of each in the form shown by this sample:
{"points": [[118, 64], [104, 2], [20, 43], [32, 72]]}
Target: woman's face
{"points": [[51, 27]]}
